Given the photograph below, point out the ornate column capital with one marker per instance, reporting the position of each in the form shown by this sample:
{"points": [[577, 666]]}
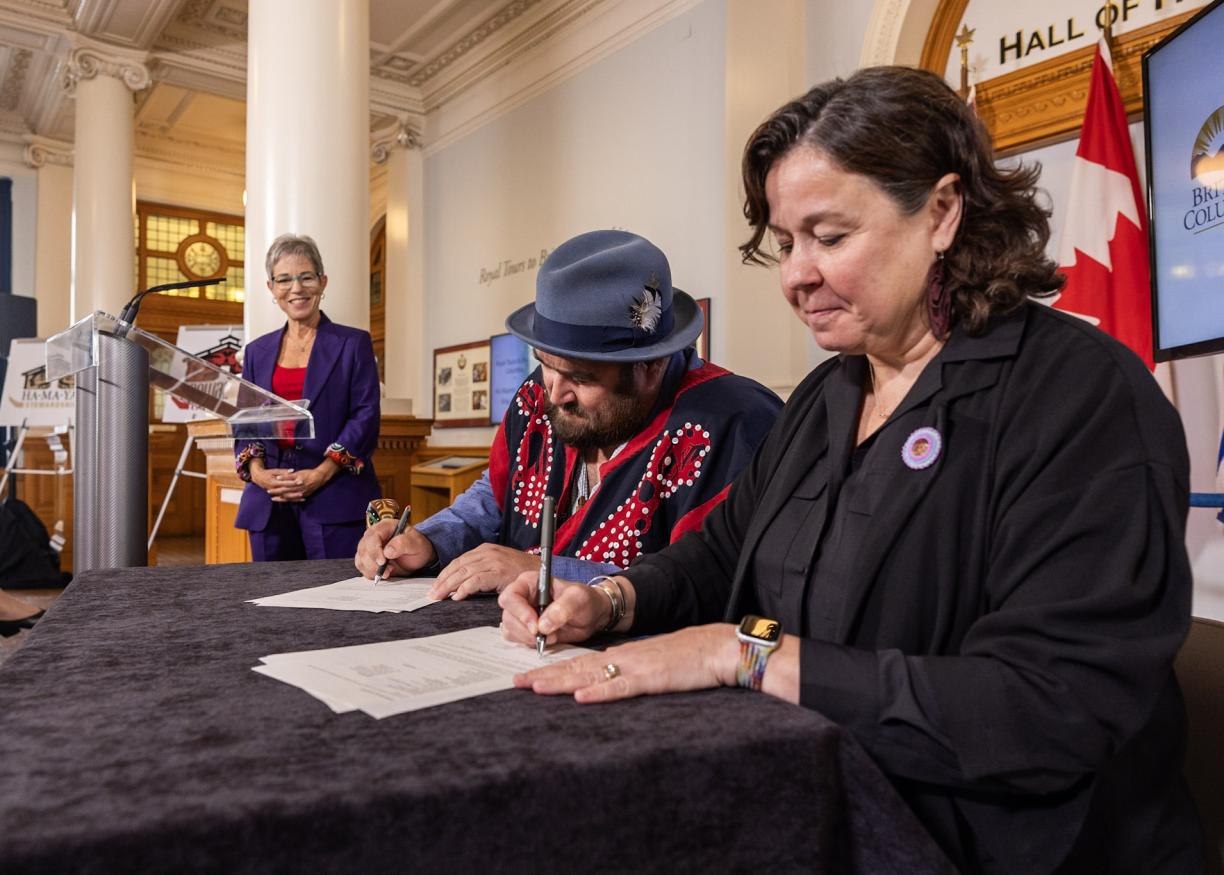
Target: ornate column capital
{"points": [[42, 150], [88, 59], [401, 136]]}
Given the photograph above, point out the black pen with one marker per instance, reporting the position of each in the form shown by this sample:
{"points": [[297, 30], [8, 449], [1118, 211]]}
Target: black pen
{"points": [[548, 522], [399, 530]]}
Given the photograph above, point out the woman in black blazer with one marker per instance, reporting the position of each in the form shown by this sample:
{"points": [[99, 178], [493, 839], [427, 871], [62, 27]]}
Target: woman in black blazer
{"points": [[969, 524]]}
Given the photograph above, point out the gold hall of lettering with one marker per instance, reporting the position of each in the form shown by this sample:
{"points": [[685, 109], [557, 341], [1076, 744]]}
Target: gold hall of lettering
{"points": [[1022, 43]]}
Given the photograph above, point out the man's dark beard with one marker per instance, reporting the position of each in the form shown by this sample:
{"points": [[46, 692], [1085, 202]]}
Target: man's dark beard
{"points": [[613, 423]]}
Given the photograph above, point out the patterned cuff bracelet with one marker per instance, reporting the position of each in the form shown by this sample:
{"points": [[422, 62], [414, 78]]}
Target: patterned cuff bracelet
{"points": [[243, 461], [344, 459]]}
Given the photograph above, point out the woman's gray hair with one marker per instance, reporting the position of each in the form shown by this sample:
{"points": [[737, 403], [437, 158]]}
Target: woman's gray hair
{"points": [[293, 244]]}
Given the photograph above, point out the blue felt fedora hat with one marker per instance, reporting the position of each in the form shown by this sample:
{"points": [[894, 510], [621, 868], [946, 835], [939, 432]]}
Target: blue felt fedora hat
{"points": [[607, 296]]}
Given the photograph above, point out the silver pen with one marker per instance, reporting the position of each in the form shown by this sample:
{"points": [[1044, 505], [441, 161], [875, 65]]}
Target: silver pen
{"points": [[399, 530], [548, 524]]}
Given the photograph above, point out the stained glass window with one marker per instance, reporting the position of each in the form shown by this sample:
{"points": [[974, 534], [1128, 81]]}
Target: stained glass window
{"points": [[164, 232]]}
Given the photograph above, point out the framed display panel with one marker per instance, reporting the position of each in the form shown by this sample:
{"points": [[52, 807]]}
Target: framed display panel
{"points": [[703, 339], [511, 361], [1184, 135], [461, 385]]}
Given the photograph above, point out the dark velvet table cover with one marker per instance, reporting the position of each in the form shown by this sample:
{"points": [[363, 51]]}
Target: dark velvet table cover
{"points": [[134, 737]]}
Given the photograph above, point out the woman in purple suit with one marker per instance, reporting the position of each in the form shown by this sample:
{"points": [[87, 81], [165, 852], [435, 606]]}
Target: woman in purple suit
{"points": [[306, 498]]}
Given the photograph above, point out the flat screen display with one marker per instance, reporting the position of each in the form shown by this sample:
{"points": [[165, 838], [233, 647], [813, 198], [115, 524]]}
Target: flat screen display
{"points": [[512, 361], [1183, 84]]}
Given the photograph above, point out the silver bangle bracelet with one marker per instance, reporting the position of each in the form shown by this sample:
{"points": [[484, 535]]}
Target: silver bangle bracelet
{"points": [[609, 587]]}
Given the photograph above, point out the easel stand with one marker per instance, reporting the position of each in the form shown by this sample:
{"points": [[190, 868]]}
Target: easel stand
{"points": [[178, 472], [11, 467]]}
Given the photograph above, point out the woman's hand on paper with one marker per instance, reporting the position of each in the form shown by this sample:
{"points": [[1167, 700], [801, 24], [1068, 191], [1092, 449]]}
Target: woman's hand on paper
{"points": [[695, 658]]}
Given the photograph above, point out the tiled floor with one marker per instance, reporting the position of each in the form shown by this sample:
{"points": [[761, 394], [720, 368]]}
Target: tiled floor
{"points": [[170, 551]]}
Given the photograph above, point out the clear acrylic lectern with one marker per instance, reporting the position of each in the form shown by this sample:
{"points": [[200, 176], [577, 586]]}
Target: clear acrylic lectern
{"points": [[114, 364]]}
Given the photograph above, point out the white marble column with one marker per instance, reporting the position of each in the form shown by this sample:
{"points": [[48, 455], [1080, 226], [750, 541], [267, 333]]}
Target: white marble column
{"points": [[307, 155], [764, 68], [404, 288], [53, 233], [103, 79]]}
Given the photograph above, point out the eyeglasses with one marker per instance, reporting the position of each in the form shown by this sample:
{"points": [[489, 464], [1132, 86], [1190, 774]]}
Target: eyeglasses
{"points": [[309, 280]]}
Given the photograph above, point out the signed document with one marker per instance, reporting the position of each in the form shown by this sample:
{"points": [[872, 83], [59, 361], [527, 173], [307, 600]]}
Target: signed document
{"points": [[393, 677], [358, 594]]}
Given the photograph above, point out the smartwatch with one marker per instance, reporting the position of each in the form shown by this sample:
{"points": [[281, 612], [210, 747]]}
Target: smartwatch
{"points": [[758, 637]]}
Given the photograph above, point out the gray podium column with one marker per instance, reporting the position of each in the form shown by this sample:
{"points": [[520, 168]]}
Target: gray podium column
{"points": [[111, 497]]}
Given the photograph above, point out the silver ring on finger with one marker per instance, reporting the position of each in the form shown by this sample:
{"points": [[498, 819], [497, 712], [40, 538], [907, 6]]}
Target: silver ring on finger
{"points": [[611, 671]]}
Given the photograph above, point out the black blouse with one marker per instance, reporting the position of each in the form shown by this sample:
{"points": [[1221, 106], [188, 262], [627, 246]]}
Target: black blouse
{"points": [[997, 628]]}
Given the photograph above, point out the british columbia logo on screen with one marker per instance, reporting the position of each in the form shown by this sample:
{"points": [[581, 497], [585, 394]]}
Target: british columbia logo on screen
{"points": [[1207, 172], [1207, 162]]}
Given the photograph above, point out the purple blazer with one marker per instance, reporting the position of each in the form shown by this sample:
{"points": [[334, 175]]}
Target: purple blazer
{"points": [[342, 388]]}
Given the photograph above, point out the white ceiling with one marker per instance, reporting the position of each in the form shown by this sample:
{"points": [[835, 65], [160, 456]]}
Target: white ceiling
{"points": [[196, 51]]}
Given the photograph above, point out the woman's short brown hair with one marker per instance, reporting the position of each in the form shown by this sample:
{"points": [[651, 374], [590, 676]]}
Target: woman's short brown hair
{"points": [[904, 129]]}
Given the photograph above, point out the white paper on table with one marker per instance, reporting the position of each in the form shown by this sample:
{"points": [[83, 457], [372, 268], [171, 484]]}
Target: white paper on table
{"points": [[393, 677], [358, 594], [338, 706]]}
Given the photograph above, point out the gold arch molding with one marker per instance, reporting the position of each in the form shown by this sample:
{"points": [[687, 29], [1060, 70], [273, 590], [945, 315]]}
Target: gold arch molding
{"points": [[1044, 102]]}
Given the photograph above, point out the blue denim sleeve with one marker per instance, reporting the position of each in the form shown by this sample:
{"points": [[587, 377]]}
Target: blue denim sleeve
{"points": [[473, 519], [569, 568]]}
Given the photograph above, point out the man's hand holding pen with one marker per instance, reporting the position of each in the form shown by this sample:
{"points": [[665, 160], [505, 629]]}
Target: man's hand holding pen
{"points": [[404, 553]]}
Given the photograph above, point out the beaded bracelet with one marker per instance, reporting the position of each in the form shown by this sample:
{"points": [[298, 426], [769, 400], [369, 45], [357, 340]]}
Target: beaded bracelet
{"points": [[609, 587]]}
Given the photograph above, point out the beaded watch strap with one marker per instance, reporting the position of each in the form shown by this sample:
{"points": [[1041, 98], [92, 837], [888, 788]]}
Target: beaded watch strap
{"points": [[751, 669]]}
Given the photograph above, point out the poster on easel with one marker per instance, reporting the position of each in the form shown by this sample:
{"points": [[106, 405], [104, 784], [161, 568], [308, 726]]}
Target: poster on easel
{"points": [[28, 396], [216, 344]]}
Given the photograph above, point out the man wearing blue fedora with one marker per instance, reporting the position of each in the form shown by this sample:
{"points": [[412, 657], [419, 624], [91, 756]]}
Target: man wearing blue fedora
{"points": [[633, 435]]}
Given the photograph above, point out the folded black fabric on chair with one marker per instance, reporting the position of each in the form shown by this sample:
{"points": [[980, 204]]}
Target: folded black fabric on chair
{"points": [[26, 556]]}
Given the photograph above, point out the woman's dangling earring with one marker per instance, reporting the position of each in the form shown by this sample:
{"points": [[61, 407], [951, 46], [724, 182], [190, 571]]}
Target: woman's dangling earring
{"points": [[939, 301]]}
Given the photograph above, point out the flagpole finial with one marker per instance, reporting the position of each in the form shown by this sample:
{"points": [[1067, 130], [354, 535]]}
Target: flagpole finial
{"points": [[964, 39], [1111, 15]]}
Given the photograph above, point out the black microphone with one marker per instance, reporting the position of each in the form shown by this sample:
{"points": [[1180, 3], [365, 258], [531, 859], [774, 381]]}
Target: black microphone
{"points": [[133, 306]]}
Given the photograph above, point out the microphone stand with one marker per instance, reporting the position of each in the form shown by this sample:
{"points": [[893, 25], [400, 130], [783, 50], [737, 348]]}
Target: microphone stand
{"points": [[127, 318]]}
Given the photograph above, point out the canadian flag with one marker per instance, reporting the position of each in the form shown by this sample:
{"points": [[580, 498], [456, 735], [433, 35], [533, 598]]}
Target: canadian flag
{"points": [[1104, 245]]}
